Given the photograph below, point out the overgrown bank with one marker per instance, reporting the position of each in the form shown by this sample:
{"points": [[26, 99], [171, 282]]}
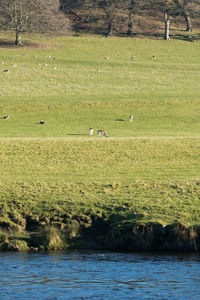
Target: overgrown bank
{"points": [[113, 216]]}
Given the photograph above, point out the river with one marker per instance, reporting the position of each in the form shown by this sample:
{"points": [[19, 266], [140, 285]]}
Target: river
{"points": [[99, 275]]}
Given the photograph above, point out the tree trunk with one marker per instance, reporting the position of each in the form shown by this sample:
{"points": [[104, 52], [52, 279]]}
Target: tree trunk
{"points": [[186, 15], [188, 21], [110, 23], [17, 38], [130, 24], [130, 17], [110, 28], [167, 21]]}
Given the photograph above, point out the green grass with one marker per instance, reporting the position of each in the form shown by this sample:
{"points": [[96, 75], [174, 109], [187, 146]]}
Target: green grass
{"points": [[175, 118], [95, 160], [173, 75], [132, 201], [148, 168]]}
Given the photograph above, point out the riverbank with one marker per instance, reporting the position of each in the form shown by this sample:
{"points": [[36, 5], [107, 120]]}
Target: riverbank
{"points": [[113, 216], [102, 235]]}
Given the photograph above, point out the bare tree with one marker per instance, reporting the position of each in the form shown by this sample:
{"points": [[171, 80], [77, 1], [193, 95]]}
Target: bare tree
{"points": [[165, 7], [167, 22], [74, 8], [110, 8], [182, 5], [132, 6], [31, 15]]}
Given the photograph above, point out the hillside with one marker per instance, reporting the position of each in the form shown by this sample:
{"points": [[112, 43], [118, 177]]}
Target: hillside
{"points": [[145, 23], [61, 188]]}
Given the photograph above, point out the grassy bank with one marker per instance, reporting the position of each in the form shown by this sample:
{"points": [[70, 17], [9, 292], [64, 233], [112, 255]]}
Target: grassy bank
{"points": [[61, 188], [89, 193], [131, 216]]}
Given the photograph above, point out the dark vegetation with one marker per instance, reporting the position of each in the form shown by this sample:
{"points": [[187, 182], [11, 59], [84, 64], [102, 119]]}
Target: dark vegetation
{"points": [[131, 17], [108, 17], [37, 221]]}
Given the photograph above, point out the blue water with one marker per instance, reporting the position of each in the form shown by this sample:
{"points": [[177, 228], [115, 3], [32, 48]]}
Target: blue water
{"points": [[99, 275]]}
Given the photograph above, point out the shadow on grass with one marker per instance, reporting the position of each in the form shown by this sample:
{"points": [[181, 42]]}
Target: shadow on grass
{"points": [[174, 34], [186, 37], [11, 44], [119, 120], [77, 134]]}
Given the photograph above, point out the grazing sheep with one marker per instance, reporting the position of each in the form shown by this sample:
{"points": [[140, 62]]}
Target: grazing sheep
{"points": [[42, 122], [91, 131], [131, 118], [102, 132]]}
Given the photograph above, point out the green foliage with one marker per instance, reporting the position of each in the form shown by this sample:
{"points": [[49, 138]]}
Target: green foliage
{"points": [[3, 236], [51, 238]]}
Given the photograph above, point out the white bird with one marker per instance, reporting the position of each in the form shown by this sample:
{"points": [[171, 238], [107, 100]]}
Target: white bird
{"points": [[91, 131], [131, 118]]}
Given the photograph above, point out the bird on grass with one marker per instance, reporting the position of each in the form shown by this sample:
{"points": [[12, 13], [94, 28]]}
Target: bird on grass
{"points": [[5, 117], [42, 122]]}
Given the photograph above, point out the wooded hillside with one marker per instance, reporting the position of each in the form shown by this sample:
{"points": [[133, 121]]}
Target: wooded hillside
{"points": [[108, 17], [133, 17]]}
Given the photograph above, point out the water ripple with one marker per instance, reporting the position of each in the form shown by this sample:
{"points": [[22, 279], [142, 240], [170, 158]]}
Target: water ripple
{"points": [[97, 275]]}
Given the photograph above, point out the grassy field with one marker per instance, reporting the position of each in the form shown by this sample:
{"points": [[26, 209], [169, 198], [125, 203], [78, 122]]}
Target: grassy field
{"points": [[71, 95], [147, 170], [94, 160]]}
